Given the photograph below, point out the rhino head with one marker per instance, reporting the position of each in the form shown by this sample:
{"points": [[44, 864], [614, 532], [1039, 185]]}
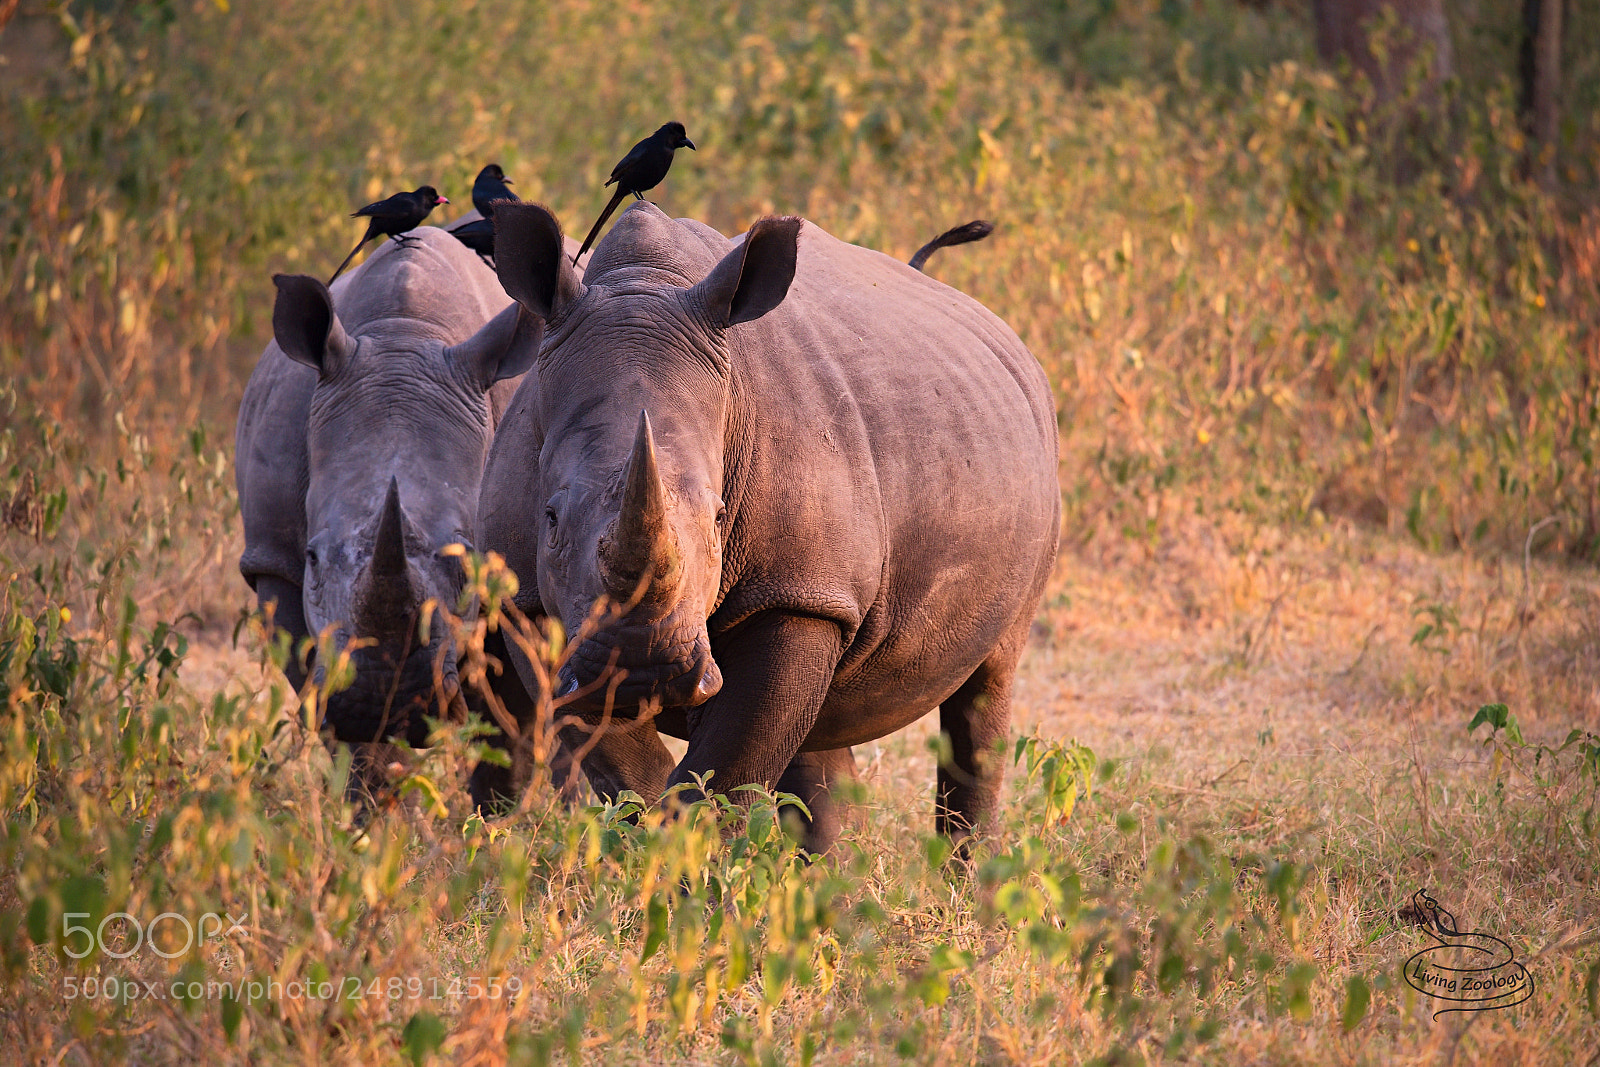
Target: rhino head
{"points": [[630, 505], [398, 431]]}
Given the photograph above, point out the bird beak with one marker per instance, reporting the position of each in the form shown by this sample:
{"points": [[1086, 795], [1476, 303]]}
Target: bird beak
{"points": [[443, 200], [688, 144], [508, 181]]}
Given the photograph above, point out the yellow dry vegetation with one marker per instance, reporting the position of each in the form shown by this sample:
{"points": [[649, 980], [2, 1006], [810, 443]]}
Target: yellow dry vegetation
{"points": [[1326, 377]]}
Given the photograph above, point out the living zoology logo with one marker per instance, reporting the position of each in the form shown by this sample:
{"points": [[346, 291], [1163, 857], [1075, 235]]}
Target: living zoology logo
{"points": [[1473, 970]]}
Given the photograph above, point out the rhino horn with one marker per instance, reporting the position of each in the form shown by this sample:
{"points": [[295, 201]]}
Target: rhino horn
{"points": [[386, 598], [639, 547]]}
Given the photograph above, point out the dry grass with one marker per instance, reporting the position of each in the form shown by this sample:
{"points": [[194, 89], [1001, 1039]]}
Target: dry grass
{"points": [[1262, 691], [1311, 422], [1266, 690]]}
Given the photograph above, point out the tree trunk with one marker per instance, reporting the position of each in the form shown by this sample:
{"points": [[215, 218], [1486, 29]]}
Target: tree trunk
{"points": [[1541, 84], [1344, 30]]}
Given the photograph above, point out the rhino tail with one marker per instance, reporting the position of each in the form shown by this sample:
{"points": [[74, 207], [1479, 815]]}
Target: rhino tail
{"points": [[976, 230]]}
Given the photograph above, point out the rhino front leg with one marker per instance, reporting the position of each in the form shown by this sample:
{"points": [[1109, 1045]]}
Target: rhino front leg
{"points": [[496, 789], [283, 600], [776, 672], [627, 754], [976, 719], [813, 777]]}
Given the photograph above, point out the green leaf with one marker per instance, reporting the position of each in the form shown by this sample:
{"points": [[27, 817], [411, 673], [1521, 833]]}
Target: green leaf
{"points": [[1514, 731], [1170, 974], [39, 920], [1357, 998], [1298, 990], [423, 1035], [232, 1013], [1493, 714], [657, 918], [759, 827]]}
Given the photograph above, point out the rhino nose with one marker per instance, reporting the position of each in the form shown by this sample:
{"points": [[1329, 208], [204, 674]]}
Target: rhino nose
{"points": [[709, 685]]}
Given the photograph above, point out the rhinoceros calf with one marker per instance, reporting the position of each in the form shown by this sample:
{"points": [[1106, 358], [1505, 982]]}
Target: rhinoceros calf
{"points": [[819, 487], [360, 448]]}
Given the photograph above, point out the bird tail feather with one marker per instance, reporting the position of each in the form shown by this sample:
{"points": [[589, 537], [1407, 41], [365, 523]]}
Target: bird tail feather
{"points": [[348, 258], [601, 221]]}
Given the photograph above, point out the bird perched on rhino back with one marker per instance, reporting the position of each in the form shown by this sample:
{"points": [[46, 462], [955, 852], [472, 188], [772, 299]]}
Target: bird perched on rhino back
{"points": [[641, 170], [490, 188], [477, 235], [491, 185], [393, 217]]}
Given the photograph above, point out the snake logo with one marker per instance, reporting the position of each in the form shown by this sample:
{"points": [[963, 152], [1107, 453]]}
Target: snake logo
{"points": [[1475, 971]]}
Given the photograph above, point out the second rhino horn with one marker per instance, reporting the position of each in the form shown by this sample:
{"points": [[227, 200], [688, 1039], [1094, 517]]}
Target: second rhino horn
{"points": [[386, 599], [639, 547], [389, 547]]}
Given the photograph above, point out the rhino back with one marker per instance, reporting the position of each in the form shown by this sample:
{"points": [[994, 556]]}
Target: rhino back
{"points": [[434, 284], [901, 472]]}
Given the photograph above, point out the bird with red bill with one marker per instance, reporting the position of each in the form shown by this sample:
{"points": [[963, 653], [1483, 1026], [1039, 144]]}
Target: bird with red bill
{"points": [[393, 217]]}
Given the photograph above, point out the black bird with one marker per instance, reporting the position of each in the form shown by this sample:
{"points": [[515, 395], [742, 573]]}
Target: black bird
{"points": [[491, 185], [477, 235], [976, 230], [393, 217], [641, 169]]}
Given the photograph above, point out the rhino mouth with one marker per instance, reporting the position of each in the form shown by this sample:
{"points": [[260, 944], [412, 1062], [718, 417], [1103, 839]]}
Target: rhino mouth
{"points": [[392, 696], [625, 667]]}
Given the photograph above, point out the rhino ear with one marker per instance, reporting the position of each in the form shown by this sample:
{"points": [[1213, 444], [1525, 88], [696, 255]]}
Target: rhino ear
{"points": [[532, 260], [753, 278], [306, 326], [505, 347]]}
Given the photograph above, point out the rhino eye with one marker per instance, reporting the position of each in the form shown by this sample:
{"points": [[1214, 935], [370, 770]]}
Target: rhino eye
{"points": [[550, 524], [311, 558]]}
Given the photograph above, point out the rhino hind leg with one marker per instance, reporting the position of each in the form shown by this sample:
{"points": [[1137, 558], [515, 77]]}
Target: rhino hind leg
{"points": [[814, 777], [975, 720]]}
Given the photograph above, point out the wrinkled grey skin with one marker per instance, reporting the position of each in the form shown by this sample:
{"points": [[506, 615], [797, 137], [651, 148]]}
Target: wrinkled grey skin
{"points": [[361, 443], [823, 484]]}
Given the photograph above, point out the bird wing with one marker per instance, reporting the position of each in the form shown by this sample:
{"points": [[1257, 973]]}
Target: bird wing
{"points": [[392, 205], [629, 161]]}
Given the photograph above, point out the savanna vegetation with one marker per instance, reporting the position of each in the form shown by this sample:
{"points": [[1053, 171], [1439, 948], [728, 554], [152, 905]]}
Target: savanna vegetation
{"points": [[1324, 630]]}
